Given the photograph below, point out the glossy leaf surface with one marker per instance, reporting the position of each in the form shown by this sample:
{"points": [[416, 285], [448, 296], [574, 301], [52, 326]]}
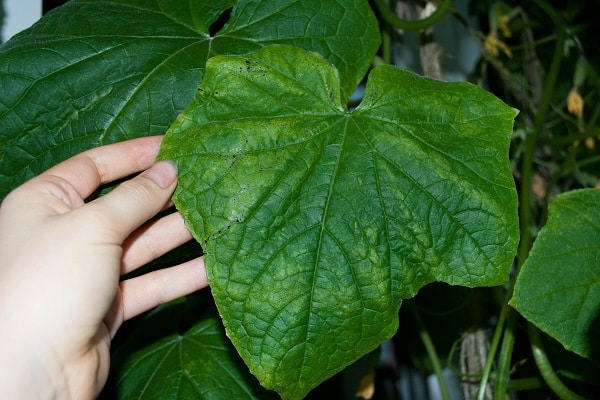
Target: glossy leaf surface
{"points": [[98, 72], [558, 288], [317, 221]]}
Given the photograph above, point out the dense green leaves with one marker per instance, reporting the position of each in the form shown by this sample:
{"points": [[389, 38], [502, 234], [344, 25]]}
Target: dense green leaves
{"points": [[157, 362], [558, 288], [316, 222], [97, 72]]}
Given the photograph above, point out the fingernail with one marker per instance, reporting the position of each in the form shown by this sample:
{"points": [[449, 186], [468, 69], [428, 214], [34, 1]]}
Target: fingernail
{"points": [[163, 173]]}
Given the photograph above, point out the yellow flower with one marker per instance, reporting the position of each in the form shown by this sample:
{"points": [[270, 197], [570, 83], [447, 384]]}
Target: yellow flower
{"points": [[493, 45], [575, 102], [590, 143], [366, 387], [503, 25]]}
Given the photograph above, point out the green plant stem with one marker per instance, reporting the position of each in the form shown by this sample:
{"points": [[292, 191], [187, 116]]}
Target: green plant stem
{"points": [[489, 362], [505, 357], [526, 225], [431, 352], [526, 384], [386, 47], [594, 117], [391, 18], [591, 131], [545, 368], [588, 161], [566, 165], [531, 142]]}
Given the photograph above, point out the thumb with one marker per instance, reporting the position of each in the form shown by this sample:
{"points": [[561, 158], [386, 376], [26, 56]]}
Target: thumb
{"points": [[135, 201]]}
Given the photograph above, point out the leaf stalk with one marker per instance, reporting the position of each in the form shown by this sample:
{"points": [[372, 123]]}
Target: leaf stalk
{"points": [[507, 320], [431, 352], [545, 368], [412, 25]]}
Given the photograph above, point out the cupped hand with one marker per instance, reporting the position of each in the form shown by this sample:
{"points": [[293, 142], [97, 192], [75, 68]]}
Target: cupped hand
{"points": [[61, 259]]}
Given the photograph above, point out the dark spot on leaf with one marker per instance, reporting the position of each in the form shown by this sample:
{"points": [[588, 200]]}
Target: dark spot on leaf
{"points": [[252, 66], [218, 232], [232, 160]]}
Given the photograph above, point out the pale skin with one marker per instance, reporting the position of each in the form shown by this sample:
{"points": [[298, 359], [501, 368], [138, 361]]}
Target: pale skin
{"points": [[61, 259]]}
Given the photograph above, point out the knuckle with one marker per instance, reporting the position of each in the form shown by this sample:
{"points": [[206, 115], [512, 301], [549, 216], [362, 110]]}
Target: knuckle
{"points": [[139, 189]]}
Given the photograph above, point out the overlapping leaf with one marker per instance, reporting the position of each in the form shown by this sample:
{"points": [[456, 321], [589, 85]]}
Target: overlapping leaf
{"points": [[316, 222], [157, 362], [558, 288], [97, 72]]}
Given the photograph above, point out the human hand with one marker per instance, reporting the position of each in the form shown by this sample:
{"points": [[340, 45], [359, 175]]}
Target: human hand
{"points": [[61, 259]]}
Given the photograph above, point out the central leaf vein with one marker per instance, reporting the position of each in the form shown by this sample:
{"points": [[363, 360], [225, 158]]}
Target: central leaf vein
{"points": [[320, 241]]}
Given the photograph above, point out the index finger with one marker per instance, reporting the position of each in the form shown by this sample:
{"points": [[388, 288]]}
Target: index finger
{"points": [[95, 167]]}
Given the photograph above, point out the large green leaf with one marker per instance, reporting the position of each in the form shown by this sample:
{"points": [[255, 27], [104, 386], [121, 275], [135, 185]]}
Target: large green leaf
{"points": [[96, 72], [317, 221], [558, 288], [158, 362]]}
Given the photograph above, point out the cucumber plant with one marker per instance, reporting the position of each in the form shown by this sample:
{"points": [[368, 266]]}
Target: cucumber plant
{"points": [[316, 219]]}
